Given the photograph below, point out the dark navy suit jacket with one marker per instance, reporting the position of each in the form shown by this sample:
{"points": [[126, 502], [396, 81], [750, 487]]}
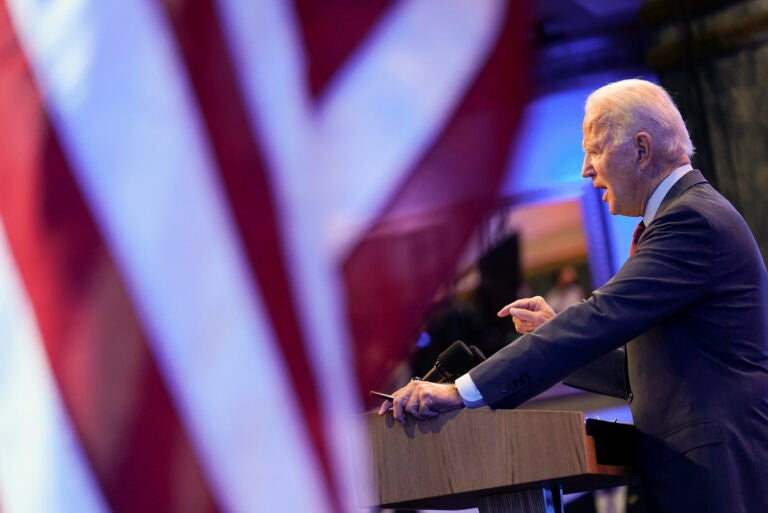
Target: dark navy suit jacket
{"points": [[692, 304]]}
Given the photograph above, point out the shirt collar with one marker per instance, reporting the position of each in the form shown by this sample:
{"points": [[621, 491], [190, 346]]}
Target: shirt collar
{"points": [[661, 190]]}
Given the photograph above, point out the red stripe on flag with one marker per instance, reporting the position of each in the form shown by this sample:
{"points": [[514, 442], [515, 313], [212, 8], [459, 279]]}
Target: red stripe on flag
{"points": [[249, 192], [332, 29], [392, 274], [111, 387]]}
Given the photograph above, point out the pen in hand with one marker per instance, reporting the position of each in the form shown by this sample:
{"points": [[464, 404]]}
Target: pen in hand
{"points": [[389, 397]]}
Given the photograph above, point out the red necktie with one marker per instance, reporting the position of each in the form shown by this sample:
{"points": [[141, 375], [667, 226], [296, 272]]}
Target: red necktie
{"points": [[636, 237]]}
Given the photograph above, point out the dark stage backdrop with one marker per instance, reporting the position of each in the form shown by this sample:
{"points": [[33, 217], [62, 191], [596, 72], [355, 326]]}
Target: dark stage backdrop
{"points": [[713, 57]]}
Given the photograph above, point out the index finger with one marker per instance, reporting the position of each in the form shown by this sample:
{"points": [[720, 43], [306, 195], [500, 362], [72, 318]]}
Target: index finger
{"points": [[517, 305], [522, 314], [504, 311], [527, 303]]}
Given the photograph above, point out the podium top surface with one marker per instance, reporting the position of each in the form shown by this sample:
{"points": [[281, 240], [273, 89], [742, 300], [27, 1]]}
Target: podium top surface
{"points": [[449, 462]]}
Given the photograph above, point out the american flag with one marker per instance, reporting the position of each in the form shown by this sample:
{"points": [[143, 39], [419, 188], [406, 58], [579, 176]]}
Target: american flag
{"points": [[221, 223]]}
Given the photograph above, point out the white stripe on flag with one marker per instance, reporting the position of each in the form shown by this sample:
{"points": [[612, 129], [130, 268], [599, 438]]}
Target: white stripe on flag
{"points": [[133, 136], [334, 172], [393, 98], [263, 37], [42, 468]]}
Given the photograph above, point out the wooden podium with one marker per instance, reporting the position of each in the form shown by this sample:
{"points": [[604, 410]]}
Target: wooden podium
{"points": [[494, 460]]}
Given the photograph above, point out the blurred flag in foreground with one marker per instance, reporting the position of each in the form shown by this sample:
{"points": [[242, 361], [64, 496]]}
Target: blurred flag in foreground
{"points": [[221, 224]]}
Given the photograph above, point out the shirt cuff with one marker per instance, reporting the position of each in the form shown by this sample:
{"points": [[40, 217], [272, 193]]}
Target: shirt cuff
{"points": [[469, 393]]}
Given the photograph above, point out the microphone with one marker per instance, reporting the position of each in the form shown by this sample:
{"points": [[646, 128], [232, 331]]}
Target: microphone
{"points": [[450, 363], [477, 358]]}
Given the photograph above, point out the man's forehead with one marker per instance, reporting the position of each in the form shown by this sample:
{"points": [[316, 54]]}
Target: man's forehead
{"points": [[593, 131]]}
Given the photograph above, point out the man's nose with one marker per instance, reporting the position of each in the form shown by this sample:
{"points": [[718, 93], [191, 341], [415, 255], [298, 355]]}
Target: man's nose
{"points": [[586, 168]]}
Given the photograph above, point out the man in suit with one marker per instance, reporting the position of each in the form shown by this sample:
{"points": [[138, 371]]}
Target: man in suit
{"points": [[691, 305]]}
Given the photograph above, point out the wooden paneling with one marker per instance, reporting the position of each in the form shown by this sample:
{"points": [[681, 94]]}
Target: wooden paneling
{"points": [[454, 459]]}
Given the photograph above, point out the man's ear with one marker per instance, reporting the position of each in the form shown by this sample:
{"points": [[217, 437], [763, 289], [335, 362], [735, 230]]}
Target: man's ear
{"points": [[644, 147]]}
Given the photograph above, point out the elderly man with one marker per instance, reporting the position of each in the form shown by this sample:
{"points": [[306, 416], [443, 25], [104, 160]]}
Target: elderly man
{"points": [[691, 305]]}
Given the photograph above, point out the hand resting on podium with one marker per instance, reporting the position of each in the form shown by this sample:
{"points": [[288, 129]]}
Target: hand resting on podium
{"points": [[423, 400]]}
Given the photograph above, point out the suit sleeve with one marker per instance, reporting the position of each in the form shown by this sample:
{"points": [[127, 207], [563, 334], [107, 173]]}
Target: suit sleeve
{"points": [[606, 375], [670, 271]]}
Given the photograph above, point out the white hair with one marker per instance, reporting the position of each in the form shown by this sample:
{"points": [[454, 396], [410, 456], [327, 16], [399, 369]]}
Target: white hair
{"points": [[630, 106]]}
